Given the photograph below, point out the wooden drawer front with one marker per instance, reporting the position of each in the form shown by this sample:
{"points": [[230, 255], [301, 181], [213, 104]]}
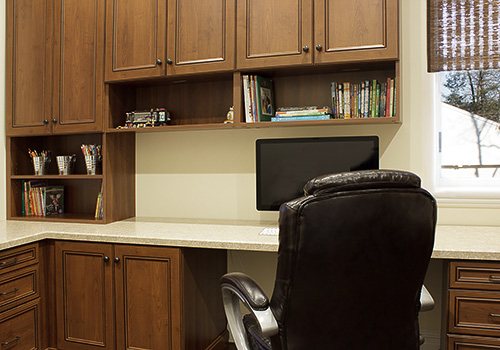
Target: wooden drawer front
{"points": [[472, 343], [19, 328], [15, 258], [474, 313], [475, 275], [18, 287]]}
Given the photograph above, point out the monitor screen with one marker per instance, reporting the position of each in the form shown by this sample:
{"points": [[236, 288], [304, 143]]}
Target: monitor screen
{"points": [[284, 166]]}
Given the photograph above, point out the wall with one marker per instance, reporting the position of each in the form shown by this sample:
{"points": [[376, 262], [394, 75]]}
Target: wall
{"points": [[210, 174]]}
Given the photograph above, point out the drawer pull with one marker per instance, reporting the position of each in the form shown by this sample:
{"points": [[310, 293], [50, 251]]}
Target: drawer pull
{"points": [[12, 291], [495, 278], [7, 263], [5, 343], [494, 315]]}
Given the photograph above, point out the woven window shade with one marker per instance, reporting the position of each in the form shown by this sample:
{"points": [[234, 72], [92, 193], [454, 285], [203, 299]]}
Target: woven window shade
{"points": [[463, 35]]}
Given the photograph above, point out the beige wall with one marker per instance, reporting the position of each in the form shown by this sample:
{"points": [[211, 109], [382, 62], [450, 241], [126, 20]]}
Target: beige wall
{"points": [[210, 174]]}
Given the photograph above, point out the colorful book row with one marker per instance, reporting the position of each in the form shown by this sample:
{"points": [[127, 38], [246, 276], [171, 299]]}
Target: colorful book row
{"points": [[258, 98], [367, 99], [42, 200]]}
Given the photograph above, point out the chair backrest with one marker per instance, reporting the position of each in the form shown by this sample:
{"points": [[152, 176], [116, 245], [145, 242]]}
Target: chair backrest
{"points": [[353, 254]]}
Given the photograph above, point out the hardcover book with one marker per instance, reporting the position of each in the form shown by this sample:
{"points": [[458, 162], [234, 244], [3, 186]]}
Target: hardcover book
{"points": [[54, 200]]}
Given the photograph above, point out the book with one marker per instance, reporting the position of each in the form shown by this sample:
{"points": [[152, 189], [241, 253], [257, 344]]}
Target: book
{"points": [[303, 117], [246, 97], [29, 195], [53, 200], [264, 98]]}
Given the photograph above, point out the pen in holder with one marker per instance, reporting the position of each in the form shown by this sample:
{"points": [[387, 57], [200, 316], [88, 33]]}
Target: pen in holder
{"points": [[65, 164], [93, 164], [40, 164], [93, 158]]}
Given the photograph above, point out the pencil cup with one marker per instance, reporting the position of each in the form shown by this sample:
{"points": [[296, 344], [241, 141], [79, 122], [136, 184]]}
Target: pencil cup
{"points": [[65, 164], [41, 165], [93, 164]]}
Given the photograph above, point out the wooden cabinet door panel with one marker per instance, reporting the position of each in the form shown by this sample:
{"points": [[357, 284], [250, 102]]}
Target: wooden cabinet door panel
{"points": [[353, 30], [136, 38], [459, 342], [19, 327], [147, 298], [273, 33], [201, 36], [84, 296], [28, 71], [78, 61]]}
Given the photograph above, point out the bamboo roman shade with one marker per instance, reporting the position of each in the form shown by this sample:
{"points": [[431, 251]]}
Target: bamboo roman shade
{"points": [[463, 35]]}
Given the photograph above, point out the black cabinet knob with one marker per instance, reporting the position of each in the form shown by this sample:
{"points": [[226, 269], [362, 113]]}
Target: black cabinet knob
{"points": [[106, 258], [159, 62], [319, 47], [117, 260], [45, 121], [54, 120], [305, 49], [169, 61]]}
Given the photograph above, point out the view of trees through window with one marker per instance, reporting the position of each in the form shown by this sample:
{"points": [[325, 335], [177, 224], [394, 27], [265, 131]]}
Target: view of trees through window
{"points": [[469, 142]]}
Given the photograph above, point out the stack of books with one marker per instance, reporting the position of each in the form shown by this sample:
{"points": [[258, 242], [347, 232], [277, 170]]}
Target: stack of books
{"points": [[99, 207], [367, 99], [259, 98], [42, 200], [286, 114]]}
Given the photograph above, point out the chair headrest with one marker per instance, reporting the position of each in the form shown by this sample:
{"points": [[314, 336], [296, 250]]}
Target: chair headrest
{"points": [[357, 180]]}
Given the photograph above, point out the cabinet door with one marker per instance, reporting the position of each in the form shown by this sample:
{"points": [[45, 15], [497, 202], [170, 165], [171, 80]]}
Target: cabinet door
{"points": [[78, 66], [28, 70], [147, 298], [274, 33], [200, 36], [20, 328], [135, 39], [355, 30], [84, 296]]}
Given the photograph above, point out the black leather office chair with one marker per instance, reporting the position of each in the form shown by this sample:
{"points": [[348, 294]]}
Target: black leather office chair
{"points": [[353, 254]]}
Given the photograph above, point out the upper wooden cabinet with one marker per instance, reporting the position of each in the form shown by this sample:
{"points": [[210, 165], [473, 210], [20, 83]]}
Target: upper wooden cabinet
{"points": [[143, 42], [54, 77], [355, 30], [274, 33], [289, 32]]}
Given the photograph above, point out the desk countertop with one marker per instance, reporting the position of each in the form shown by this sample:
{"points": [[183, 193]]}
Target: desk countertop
{"points": [[452, 242]]}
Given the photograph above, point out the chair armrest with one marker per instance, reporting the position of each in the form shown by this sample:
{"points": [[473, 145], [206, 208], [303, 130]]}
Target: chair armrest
{"points": [[426, 300], [238, 287]]}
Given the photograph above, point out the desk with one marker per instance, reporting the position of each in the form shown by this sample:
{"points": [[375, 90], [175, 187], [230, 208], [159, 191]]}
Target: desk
{"points": [[452, 242]]}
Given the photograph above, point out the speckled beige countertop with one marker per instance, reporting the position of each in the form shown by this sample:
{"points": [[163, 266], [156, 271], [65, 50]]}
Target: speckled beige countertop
{"points": [[452, 242]]}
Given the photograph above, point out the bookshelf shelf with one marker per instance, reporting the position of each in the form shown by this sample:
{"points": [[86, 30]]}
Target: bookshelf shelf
{"points": [[56, 177], [83, 218]]}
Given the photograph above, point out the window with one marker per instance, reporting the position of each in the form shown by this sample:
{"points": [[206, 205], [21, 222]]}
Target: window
{"points": [[464, 47]]}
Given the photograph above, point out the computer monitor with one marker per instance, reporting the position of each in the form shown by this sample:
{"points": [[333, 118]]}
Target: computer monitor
{"points": [[285, 165]]}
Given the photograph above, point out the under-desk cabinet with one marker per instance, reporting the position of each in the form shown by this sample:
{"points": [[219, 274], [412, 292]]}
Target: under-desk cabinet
{"points": [[474, 305], [138, 297], [20, 298]]}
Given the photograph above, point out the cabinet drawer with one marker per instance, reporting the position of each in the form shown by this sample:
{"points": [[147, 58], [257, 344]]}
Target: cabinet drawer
{"points": [[457, 342], [475, 275], [474, 313], [18, 287], [19, 328], [16, 258]]}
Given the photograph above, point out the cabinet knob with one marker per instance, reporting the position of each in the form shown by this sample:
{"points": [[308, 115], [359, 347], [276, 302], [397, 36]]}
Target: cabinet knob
{"points": [[159, 62], [305, 49], [319, 47], [45, 121], [106, 258], [169, 61], [54, 120], [117, 260]]}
